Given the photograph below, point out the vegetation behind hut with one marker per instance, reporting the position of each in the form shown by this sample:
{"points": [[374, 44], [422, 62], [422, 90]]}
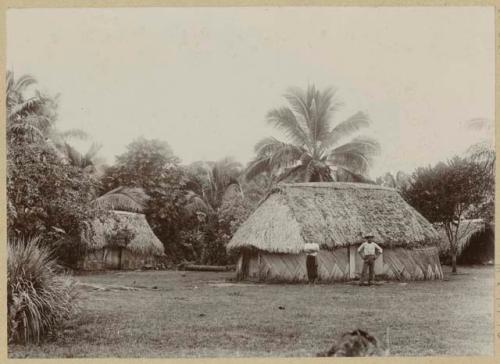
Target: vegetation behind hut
{"points": [[446, 193]]}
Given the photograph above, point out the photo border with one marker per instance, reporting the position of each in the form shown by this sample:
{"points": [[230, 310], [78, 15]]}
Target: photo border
{"points": [[11, 4]]}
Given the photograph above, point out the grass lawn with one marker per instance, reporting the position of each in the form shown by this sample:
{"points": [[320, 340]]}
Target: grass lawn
{"points": [[192, 314]]}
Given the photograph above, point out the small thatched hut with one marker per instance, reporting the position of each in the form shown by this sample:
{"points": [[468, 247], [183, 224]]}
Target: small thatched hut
{"points": [[121, 240], [475, 245], [335, 215]]}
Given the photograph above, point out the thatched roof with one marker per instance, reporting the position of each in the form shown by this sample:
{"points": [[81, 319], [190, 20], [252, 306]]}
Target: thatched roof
{"points": [[466, 230], [144, 241], [332, 215]]}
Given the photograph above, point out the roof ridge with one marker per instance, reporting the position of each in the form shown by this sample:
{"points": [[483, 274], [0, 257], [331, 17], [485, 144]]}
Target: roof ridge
{"points": [[336, 185]]}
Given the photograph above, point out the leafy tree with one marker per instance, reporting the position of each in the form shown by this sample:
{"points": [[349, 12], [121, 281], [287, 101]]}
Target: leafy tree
{"points": [[398, 181], [46, 198], [314, 151], [444, 193], [152, 166]]}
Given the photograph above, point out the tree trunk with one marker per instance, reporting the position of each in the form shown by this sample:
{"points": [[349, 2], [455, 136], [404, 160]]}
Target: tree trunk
{"points": [[454, 262], [120, 258], [454, 258], [452, 237]]}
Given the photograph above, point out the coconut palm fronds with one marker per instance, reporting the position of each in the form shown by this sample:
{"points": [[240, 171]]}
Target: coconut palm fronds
{"points": [[131, 199]]}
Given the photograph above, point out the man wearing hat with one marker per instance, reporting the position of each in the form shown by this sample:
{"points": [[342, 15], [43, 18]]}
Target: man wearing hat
{"points": [[311, 250], [369, 252]]}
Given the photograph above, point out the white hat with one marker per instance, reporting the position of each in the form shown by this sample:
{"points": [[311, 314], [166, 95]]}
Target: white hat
{"points": [[368, 235], [311, 247]]}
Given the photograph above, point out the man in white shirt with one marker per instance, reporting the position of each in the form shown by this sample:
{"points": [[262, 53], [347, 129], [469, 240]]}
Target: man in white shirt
{"points": [[369, 252]]}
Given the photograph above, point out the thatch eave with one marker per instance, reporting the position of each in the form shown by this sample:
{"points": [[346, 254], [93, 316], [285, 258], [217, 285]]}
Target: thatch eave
{"points": [[332, 215], [144, 241]]}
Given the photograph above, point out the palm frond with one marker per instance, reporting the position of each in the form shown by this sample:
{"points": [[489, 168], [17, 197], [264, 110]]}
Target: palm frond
{"points": [[364, 145], [286, 156], [26, 129], [93, 150], [345, 129], [9, 83], [292, 172], [72, 156], [322, 108], [267, 146], [352, 160], [298, 99], [256, 167], [480, 124], [284, 119], [131, 199], [24, 108], [74, 133], [196, 204], [356, 155], [345, 174], [24, 82]]}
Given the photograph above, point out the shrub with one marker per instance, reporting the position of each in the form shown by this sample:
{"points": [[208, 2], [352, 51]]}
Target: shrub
{"points": [[38, 299]]}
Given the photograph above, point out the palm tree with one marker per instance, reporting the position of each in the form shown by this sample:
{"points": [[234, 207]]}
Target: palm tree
{"points": [[399, 181], [87, 162], [132, 199], [31, 117], [211, 183], [313, 152], [34, 118]]}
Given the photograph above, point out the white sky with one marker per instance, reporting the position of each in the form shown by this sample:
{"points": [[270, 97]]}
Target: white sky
{"points": [[203, 79]]}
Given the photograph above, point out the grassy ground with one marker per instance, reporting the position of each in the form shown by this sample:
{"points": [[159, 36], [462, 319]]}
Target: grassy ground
{"points": [[191, 314]]}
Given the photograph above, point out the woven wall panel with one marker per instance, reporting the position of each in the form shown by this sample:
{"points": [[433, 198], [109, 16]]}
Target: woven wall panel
{"points": [[394, 264]]}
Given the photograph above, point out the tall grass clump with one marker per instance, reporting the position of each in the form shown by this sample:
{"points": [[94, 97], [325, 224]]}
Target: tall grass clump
{"points": [[38, 298]]}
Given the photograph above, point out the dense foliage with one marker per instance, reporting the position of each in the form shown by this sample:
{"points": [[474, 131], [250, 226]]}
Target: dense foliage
{"points": [[152, 166], [447, 193], [46, 197], [54, 191]]}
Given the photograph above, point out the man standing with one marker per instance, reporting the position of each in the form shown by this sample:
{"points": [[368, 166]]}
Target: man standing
{"points": [[311, 250], [369, 252]]}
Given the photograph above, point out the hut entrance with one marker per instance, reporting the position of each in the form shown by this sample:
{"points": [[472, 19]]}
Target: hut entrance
{"points": [[113, 258], [249, 264], [245, 264], [312, 267]]}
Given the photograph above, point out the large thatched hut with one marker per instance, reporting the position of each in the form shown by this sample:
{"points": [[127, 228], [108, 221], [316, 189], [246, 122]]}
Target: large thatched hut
{"points": [[335, 216], [120, 240], [475, 243]]}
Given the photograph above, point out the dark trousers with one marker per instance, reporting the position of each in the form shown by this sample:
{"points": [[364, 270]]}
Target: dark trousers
{"points": [[312, 268], [368, 264]]}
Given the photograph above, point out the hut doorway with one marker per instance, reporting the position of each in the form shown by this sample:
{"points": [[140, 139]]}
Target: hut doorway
{"points": [[245, 264], [113, 258], [312, 267]]}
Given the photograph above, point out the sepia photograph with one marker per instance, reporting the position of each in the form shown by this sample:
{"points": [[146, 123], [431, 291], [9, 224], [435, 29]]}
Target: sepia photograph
{"points": [[222, 182]]}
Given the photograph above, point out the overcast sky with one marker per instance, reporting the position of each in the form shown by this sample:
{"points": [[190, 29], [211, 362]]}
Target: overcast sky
{"points": [[203, 79]]}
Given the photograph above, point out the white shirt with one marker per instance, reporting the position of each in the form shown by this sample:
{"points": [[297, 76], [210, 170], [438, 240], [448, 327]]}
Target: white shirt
{"points": [[369, 248]]}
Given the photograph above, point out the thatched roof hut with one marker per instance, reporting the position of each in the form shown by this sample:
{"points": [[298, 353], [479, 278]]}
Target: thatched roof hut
{"points": [[332, 215], [144, 241], [475, 242], [335, 216]]}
